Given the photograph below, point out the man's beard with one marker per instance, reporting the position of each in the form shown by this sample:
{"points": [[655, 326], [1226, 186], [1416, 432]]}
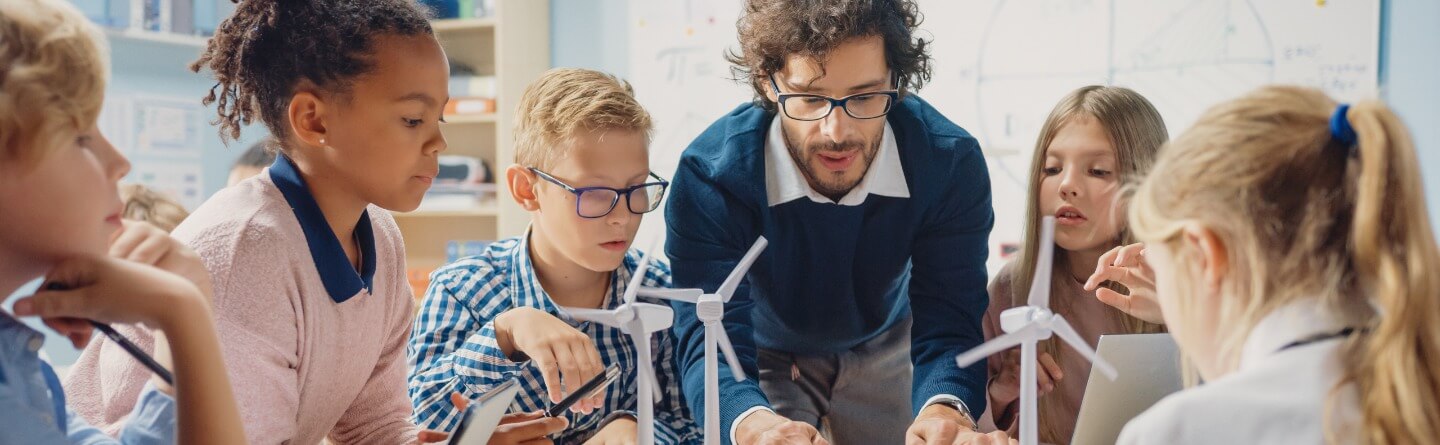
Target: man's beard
{"points": [[830, 184]]}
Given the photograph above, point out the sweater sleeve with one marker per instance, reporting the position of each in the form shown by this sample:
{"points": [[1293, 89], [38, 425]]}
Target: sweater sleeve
{"points": [[105, 381], [707, 235], [380, 414], [257, 316], [1000, 299], [947, 285]]}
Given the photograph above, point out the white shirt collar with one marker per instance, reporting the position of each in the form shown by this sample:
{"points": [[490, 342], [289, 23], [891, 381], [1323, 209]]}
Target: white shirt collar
{"points": [[784, 182], [1300, 319]]}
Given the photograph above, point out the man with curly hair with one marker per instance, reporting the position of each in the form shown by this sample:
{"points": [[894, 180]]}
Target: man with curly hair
{"points": [[878, 212]]}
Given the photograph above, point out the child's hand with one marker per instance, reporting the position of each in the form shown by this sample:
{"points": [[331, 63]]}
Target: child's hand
{"points": [[621, 431], [1005, 387], [514, 429], [556, 348], [1126, 265], [429, 436], [527, 429], [112, 291], [146, 244]]}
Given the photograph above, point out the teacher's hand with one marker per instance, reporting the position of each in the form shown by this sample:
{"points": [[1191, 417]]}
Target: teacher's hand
{"points": [[943, 425], [767, 428]]}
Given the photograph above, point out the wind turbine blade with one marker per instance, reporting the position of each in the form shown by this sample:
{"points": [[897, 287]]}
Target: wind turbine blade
{"points": [[691, 296], [644, 362], [654, 317], [997, 344], [645, 376], [638, 276], [602, 316], [1060, 327], [722, 340], [1044, 264], [732, 282]]}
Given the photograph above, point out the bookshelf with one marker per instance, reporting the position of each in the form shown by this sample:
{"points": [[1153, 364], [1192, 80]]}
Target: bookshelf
{"points": [[513, 45], [189, 43]]}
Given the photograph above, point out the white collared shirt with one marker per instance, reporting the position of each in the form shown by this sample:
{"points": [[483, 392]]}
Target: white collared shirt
{"points": [[1276, 394], [784, 182]]}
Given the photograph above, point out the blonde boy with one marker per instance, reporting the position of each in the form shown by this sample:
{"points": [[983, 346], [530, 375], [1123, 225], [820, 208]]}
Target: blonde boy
{"points": [[58, 211], [582, 171]]}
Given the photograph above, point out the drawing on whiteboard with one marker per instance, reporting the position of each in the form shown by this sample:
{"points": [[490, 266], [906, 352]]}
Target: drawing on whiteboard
{"points": [[677, 55], [998, 77], [1197, 51]]}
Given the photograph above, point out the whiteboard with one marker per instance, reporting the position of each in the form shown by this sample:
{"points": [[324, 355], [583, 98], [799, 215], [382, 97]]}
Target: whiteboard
{"points": [[1001, 65]]}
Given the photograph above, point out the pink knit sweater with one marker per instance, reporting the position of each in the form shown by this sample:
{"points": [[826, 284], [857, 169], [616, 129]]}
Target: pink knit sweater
{"points": [[304, 367]]}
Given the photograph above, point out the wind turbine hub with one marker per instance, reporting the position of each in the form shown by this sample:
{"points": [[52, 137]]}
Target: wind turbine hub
{"points": [[710, 310], [625, 315], [1016, 318]]}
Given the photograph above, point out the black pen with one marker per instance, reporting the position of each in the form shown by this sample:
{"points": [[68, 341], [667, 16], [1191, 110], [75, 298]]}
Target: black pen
{"points": [[126, 344], [135, 351], [589, 389]]}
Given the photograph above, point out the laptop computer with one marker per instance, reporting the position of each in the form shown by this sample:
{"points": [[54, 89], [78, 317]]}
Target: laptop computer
{"points": [[1149, 366]]}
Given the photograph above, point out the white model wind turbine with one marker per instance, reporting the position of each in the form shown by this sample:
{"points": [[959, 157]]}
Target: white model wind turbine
{"points": [[1027, 326], [710, 309], [639, 320]]}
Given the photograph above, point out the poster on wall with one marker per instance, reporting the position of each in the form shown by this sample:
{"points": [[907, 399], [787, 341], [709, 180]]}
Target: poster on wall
{"points": [[165, 127], [179, 180]]}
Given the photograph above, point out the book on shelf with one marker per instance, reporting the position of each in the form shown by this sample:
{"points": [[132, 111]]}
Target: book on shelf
{"points": [[470, 106], [470, 85], [458, 198], [457, 249], [182, 17], [460, 9]]}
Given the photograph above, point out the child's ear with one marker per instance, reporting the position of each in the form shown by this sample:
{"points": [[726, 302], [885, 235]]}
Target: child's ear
{"points": [[522, 187], [1210, 254], [306, 118]]}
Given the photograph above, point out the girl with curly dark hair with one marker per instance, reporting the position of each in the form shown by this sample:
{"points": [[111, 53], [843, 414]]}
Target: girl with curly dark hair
{"points": [[313, 306]]}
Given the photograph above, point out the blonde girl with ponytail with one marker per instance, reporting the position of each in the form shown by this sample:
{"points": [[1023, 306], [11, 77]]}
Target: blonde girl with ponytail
{"points": [[1295, 264]]}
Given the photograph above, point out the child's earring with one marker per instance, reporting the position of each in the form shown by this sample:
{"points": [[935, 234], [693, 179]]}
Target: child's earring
{"points": [[322, 142]]}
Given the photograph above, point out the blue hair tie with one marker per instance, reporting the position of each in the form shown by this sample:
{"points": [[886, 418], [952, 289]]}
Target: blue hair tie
{"points": [[1340, 128]]}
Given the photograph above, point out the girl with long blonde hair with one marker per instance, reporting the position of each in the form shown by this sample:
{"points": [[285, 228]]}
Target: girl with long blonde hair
{"points": [[1295, 264], [1095, 138]]}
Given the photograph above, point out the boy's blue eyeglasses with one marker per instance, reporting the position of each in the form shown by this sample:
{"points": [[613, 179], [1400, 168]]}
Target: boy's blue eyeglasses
{"points": [[596, 202]]}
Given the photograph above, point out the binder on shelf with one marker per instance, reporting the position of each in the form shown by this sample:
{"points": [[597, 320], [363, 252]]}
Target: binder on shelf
{"points": [[469, 85], [457, 249], [182, 16], [470, 105]]}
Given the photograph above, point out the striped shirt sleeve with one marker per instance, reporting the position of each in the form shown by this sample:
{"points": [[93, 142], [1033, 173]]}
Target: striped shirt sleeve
{"points": [[453, 346]]}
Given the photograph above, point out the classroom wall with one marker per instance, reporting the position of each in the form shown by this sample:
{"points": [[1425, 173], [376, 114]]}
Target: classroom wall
{"points": [[593, 34], [590, 34], [1410, 66], [158, 69]]}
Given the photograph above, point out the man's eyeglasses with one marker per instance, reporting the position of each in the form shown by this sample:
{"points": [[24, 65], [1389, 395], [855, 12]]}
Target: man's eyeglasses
{"points": [[813, 107], [596, 202]]}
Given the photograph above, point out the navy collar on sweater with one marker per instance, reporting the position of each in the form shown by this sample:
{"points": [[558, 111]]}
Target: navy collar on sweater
{"points": [[341, 280]]}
